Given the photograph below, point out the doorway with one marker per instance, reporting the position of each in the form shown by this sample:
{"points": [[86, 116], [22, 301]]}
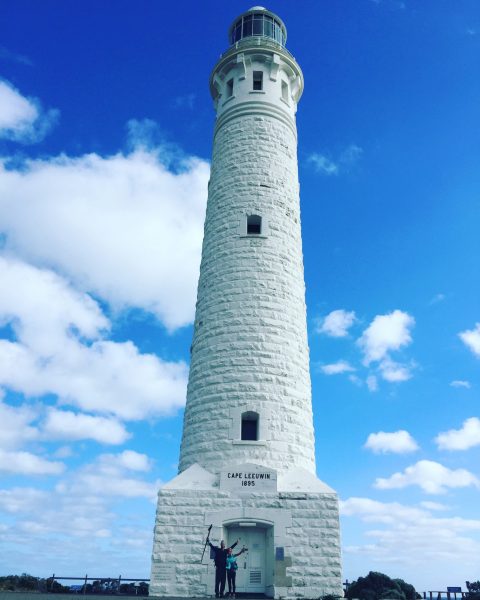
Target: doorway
{"points": [[251, 573]]}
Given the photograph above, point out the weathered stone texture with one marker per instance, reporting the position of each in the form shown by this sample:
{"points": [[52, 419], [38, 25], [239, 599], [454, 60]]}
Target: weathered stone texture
{"points": [[250, 354], [311, 567], [250, 341]]}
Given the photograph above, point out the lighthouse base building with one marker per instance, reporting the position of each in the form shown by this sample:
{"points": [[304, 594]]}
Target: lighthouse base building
{"points": [[289, 525], [247, 460]]}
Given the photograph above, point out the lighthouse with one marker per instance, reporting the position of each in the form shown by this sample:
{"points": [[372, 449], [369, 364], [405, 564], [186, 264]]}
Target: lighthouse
{"points": [[247, 458]]}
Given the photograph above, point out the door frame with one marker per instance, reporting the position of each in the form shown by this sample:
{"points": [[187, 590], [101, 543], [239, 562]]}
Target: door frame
{"points": [[265, 525]]}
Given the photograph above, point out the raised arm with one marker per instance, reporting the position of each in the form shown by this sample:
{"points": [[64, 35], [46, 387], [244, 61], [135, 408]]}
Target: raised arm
{"points": [[233, 545], [241, 552]]}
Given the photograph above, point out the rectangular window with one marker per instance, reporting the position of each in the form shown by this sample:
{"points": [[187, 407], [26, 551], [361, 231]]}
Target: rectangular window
{"points": [[258, 80], [254, 225], [249, 430], [285, 90], [229, 89]]}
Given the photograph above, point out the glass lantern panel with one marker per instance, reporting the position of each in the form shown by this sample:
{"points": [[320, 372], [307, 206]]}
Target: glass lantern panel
{"points": [[247, 28], [257, 27]]}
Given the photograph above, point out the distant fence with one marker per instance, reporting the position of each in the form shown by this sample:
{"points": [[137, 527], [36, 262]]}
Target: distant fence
{"points": [[113, 583], [449, 595]]}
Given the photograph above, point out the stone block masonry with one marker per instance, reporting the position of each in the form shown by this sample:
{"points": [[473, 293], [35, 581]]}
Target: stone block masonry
{"points": [[250, 343], [310, 567], [247, 460]]}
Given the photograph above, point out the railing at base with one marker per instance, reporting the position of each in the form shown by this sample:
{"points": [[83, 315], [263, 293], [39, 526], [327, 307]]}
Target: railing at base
{"points": [[114, 582]]}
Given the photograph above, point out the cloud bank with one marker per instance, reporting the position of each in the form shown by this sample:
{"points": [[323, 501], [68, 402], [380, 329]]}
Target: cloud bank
{"points": [[125, 227]]}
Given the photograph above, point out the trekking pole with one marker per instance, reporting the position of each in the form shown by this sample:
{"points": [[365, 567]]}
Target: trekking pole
{"points": [[206, 542]]}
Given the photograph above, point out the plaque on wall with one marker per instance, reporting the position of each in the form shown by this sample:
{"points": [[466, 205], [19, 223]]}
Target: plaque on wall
{"points": [[164, 572], [248, 478]]}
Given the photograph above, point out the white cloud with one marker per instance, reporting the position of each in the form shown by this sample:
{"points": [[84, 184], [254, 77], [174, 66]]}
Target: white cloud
{"points": [[186, 101], [471, 339], [60, 351], [336, 368], [336, 323], [47, 512], [410, 538], [460, 384], [437, 298], [15, 426], [460, 439], [44, 310], [393, 371], [397, 442], [63, 452], [350, 155], [384, 334], [109, 475], [430, 476], [383, 512], [323, 164], [372, 383], [105, 377], [7, 54], [66, 425], [395, 513], [76, 528], [355, 380], [26, 463], [128, 459], [21, 499], [124, 227], [23, 119], [16, 112], [82, 506], [436, 506], [327, 166]]}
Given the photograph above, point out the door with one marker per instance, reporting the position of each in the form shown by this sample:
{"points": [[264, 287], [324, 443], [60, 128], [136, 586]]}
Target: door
{"points": [[251, 564]]}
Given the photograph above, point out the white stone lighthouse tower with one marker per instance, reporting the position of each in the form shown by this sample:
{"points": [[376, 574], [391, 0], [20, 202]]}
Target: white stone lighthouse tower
{"points": [[247, 461]]}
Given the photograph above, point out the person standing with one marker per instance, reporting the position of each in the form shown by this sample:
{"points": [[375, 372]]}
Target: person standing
{"points": [[232, 570], [220, 558]]}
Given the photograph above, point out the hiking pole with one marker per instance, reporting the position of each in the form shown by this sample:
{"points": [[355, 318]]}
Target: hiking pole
{"points": [[206, 542]]}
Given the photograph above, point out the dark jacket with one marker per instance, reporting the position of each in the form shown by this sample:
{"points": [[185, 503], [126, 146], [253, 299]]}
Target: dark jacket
{"points": [[220, 555]]}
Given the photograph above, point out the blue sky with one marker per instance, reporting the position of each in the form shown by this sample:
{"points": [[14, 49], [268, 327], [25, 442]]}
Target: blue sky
{"points": [[105, 137]]}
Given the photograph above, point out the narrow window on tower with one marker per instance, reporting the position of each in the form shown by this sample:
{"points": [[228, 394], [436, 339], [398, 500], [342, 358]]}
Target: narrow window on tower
{"points": [[254, 225], [284, 90], [250, 426], [258, 80], [229, 89]]}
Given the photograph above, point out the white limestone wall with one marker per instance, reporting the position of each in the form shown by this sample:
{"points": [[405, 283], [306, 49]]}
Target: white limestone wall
{"points": [[232, 79], [250, 349], [311, 567], [250, 353]]}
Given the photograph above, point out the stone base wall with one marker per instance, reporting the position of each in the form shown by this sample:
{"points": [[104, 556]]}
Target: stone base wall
{"points": [[306, 525]]}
